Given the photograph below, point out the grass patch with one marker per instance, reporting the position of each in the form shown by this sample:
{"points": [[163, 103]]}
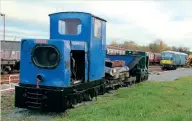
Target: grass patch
{"points": [[148, 101]]}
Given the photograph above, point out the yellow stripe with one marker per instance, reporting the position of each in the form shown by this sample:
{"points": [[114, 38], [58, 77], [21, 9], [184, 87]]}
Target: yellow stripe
{"points": [[166, 62]]}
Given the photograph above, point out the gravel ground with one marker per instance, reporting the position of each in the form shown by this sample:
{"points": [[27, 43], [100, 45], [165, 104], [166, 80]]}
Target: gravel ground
{"points": [[170, 75]]}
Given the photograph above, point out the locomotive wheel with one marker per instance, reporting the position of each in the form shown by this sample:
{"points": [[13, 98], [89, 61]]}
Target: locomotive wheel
{"points": [[68, 104], [88, 97], [163, 68], [80, 98], [146, 77], [102, 89], [138, 78], [126, 84], [175, 67], [131, 83], [5, 72], [17, 65], [74, 100]]}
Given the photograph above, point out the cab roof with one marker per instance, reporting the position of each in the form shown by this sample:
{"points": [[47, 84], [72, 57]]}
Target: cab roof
{"points": [[174, 52], [78, 13]]}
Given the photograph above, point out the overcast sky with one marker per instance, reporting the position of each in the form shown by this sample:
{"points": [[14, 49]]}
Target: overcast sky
{"points": [[140, 21]]}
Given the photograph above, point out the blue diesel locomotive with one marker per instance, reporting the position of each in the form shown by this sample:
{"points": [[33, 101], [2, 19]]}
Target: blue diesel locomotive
{"points": [[172, 59], [69, 67]]}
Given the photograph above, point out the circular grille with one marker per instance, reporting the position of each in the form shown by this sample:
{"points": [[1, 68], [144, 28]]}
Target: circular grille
{"points": [[45, 56]]}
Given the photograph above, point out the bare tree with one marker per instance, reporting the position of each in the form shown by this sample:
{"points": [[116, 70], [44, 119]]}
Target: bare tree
{"points": [[114, 43], [157, 45]]}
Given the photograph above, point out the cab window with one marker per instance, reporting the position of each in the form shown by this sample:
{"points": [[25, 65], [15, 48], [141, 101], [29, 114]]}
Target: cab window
{"points": [[97, 28], [69, 26]]}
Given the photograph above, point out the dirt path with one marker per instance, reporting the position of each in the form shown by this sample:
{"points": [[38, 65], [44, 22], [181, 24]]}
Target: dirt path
{"points": [[170, 75]]}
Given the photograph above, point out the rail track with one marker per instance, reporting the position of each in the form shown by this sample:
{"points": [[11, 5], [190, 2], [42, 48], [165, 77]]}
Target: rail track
{"points": [[14, 78]]}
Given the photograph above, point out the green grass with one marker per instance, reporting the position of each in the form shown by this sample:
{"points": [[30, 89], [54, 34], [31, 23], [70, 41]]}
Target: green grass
{"points": [[148, 101]]}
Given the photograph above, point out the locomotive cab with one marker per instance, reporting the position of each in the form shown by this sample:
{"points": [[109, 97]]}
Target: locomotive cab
{"points": [[82, 27]]}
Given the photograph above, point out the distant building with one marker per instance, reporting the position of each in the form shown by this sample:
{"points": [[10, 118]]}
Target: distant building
{"points": [[115, 50]]}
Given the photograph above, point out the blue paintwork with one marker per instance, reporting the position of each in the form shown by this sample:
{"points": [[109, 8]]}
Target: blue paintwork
{"points": [[127, 58], [95, 50], [178, 58]]}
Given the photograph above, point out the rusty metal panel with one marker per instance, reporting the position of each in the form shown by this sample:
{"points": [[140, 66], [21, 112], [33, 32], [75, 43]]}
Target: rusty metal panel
{"points": [[115, 63]]}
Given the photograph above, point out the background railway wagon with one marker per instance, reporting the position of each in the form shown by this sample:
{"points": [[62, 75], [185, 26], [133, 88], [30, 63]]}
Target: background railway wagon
{"points": [[157, 57], [154, 58], [10, 56], [151, 57], [10, 50], [115, 50], [172, 59]]}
